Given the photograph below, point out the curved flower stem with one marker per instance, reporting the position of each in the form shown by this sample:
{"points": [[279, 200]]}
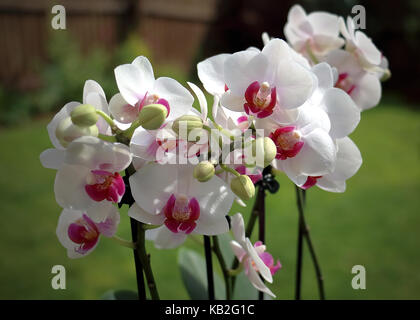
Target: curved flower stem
{"points": [[123, 242], [299, 248], [145, 260], [230, 170], [225, 271], [209, 267], [141, 289], [141, 258], [107, 138], [301, 197], [108, 120]]}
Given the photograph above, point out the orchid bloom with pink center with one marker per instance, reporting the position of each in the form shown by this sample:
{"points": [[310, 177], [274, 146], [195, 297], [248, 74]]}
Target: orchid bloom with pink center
{"points": [[138, 88], [347, 164], [305, 141], [303, 145], [90, 173], [178, 203], [312, 35], [256, 261], [79, 231], [257, 82]]}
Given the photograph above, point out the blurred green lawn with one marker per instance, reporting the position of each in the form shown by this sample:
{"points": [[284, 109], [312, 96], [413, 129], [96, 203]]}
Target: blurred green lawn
{"points": [[375, 224]]}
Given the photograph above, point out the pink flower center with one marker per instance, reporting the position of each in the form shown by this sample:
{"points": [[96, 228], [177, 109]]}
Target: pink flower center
{"points": [[267, 258], [344, 82], [84, 232], [260, 99], [288, 142], [181, 214], [310, 182], [103, 185], [152, 99]]}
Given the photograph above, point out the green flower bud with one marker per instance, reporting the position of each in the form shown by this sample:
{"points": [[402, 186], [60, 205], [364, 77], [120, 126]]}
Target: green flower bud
{"points": [[270, 151], [67, 131], [243, 187], [152, 116], [204, 171], [264, 151], [186, 124], [84, 115]]}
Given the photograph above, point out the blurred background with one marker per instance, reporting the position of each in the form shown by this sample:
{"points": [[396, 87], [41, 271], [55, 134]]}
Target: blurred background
{"points": [[374, 224]]}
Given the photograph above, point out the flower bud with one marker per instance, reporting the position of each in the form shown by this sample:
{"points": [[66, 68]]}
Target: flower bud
{"points": [[186, 124], [84, 115], [204, 171], [243, 187], [270, 151], [152, 116], [264, 150], [67, 131]]}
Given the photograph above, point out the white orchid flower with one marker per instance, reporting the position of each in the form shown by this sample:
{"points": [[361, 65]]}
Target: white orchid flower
{"points": [[90, 173], [262, 82], [312, 35], [79, 231], [169, 196], [138, 88]]}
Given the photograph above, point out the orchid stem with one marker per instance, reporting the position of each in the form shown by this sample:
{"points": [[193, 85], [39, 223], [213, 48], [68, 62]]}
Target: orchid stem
{"points": [[225, 271], [301, 199], [230, 170], [145, 260], [141, 289], [107, 138], [123, 242], [209, 267], [108, 120], [299, 249]]}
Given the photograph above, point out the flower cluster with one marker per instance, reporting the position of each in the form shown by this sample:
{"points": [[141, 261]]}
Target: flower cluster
{"points": [[289, 105]]}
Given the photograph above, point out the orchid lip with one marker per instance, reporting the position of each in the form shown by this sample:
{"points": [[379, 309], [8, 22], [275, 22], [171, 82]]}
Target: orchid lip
{"points": [[83, 232], [310, 182], [181, 213], [104, 185], [345, 83], [260, 99], [288, 141]]}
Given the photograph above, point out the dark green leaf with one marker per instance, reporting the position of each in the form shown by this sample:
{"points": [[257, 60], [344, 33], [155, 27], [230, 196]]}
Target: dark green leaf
{"points": [[194, 276]]}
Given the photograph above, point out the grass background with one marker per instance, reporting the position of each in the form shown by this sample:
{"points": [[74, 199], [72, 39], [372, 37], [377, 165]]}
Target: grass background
{"points": [[375, 224]]}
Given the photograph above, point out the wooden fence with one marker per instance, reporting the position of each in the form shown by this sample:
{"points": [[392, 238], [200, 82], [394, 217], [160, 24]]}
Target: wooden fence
{"points": [[173, 29]]}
